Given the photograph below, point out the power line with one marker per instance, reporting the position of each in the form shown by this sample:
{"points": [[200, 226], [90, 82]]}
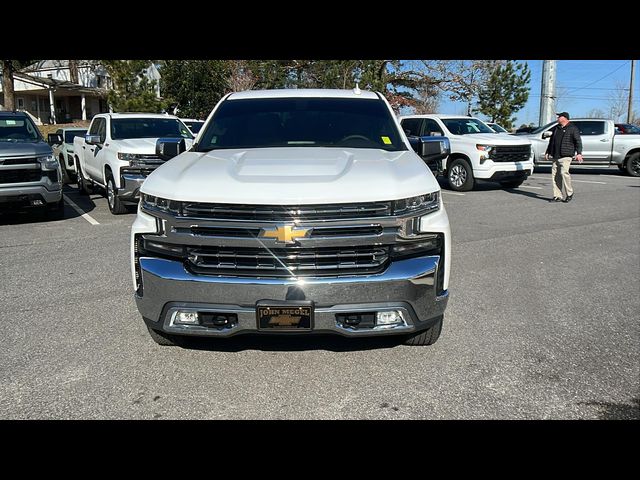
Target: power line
{"points": [[592, 83]]}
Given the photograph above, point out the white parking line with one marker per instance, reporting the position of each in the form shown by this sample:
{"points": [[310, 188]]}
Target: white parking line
{"points": [[622, 177], [82, 213], [531, 186], [453, 193], [588, 181]]}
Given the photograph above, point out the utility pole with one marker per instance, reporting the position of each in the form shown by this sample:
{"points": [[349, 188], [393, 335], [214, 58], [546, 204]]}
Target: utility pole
{"points": [[548, 92], [630, 109]]}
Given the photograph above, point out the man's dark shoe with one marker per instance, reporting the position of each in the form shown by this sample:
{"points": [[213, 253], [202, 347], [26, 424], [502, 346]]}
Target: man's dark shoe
{"points": [[568, 199], [556, 199]]}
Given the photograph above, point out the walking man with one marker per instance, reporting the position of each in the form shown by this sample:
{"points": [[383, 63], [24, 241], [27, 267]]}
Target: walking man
{"points": [[563, 145]]}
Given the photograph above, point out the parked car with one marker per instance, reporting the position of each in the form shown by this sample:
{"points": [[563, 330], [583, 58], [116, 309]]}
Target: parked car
{"points": [[600, 144], [477, 152], [30, 174], [526, 130], [62, 144], [194, 125], [299, 212], [497, 128], [119, 151], [627, 128]]}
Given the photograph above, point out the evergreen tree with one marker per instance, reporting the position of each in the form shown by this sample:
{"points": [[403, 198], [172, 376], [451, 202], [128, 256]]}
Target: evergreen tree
{"points": [[194, 86], [132, 90], [505, 93]]}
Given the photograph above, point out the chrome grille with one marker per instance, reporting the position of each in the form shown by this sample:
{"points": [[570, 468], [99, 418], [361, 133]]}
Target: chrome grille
{"points": [[20, 176], [19, 161], [507, 153], [286, 212], [283, 262]]}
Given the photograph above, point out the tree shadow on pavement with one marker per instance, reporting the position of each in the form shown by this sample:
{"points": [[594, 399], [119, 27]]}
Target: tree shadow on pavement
{"points": [[617, 411], [292, 343]]}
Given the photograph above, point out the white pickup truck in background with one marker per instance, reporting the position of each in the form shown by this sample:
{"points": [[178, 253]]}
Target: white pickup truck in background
{"points": [[477, 151], [119, 152], [600, 144]]}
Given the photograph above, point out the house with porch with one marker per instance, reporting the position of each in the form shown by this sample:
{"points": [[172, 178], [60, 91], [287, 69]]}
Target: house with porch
{"points": [[46, 90]]}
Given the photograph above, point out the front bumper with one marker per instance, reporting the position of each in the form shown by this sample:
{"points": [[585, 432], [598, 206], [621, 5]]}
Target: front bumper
{"points": [[130, 184], [24, 194], [499, 171], [407, 285]]}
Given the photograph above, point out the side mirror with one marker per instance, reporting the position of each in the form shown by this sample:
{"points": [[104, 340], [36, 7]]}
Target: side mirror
{"points": [[432, 149], [167, 148], [92, 139], [54, 139], [547, 134]]}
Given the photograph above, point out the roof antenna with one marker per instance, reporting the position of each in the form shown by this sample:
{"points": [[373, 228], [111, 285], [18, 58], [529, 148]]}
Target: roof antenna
{"points": [[357, 90]]}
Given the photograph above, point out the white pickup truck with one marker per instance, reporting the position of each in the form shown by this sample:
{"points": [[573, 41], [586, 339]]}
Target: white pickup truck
{"points": [[296, 211], [477, 151], [600, 144], [119, 151]]}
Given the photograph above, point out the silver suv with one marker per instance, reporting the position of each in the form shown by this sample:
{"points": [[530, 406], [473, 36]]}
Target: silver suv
{"points": [[29, 173]]}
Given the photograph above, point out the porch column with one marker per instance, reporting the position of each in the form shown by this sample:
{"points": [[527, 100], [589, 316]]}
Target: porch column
{"points": [[38, 106], [52, 107], [84, 107]]}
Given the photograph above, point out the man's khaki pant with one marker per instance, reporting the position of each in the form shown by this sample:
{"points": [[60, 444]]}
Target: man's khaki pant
{"points": [[560, 176]]}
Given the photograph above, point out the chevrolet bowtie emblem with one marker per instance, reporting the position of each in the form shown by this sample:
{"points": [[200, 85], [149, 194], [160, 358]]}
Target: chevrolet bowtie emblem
{"points": [[285, 233]]}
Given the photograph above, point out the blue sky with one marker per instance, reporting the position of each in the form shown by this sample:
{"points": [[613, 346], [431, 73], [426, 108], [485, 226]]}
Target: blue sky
{"points": [[582, 85]]}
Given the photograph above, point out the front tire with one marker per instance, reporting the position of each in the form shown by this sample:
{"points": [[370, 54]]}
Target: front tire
{"points": [[164, 339], [633, 165], [82, 183], [426, 337], [511, 183], [460, 175], [115, 205]]}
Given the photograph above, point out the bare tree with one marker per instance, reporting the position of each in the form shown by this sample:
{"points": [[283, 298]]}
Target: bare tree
{"points": [[618, 101], [241, 77], [596, 113], [73, 71]]}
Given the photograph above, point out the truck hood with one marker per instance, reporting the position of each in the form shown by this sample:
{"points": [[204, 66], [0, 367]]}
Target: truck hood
{"points": [[291, 175], [491, 139], [145, 146], [24, 149]]}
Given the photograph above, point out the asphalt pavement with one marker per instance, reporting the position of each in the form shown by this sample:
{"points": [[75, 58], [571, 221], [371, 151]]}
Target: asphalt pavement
{"points": [[543, 323]]}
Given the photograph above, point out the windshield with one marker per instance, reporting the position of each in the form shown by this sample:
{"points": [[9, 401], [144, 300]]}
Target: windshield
{"points": [[544, 127], [19, 129], [497, 128], [302, 122], [194, 126], [70, 134], [465, 126], [122, 128]]}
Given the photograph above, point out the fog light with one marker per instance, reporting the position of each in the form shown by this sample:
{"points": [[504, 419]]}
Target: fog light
{"points": [[392, 317], [188, 318]]}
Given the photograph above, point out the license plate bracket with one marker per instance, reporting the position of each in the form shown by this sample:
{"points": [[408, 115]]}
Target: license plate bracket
{"points": [[284, 316]]}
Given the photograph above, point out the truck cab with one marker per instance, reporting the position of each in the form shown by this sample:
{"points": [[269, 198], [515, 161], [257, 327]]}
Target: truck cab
{"points": [[30, 174], [600, 144], [296, 212], [119, 152], [477, 151]]}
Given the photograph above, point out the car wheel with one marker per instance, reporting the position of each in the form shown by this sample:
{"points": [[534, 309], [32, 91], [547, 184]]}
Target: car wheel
{"points": [[165, 339], [115, 205], [82, 183], [63, 166], [460, 175], [55, 210], [426, 337], [633, 165], [511, 183]]}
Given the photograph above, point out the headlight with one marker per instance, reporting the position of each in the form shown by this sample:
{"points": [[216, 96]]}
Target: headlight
{"points": [[152, 204], [485, 151], [421, 204], [129, 156], [49, 162]]}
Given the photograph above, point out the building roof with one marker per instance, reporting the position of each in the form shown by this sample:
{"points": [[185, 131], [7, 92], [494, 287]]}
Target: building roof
{"points": [[302, 92], [46, 82]]}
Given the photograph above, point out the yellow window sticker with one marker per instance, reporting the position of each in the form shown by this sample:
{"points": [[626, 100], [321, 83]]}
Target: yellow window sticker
{"points": [[386, 140]]}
